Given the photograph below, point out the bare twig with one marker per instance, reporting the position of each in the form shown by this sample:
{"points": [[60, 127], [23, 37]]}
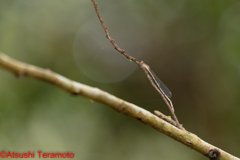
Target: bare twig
{"points": [[110, 39], [141, 65], [191, 140]]}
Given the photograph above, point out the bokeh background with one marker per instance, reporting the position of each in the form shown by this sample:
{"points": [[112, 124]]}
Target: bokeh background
{"points": [[193, 47]]}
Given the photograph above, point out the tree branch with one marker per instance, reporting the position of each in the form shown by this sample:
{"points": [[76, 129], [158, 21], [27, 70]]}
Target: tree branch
{"points": [[191, 140]]}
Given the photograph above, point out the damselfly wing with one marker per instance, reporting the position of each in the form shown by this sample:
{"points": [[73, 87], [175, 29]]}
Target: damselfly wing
{"points": [[160, 84]]}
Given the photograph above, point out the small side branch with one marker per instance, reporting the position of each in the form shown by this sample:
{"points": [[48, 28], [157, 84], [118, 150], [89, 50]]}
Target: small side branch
{"points": [[166, 118]]}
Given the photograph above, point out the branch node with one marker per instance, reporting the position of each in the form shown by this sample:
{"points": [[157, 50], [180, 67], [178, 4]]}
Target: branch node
{"points": [[20, 74], [75, 93], [214, 154]]}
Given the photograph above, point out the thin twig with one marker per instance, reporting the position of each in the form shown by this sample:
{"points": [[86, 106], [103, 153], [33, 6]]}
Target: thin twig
{"points": [[166, 118], [110, 39], [165, 98]]}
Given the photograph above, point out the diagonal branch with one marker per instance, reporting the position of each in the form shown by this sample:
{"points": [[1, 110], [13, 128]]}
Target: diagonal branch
{"points": [[191, 140], [141, 64]]}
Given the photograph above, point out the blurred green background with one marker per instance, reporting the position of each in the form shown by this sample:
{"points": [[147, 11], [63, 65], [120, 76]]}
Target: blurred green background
{"points": [[193, 47]]}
